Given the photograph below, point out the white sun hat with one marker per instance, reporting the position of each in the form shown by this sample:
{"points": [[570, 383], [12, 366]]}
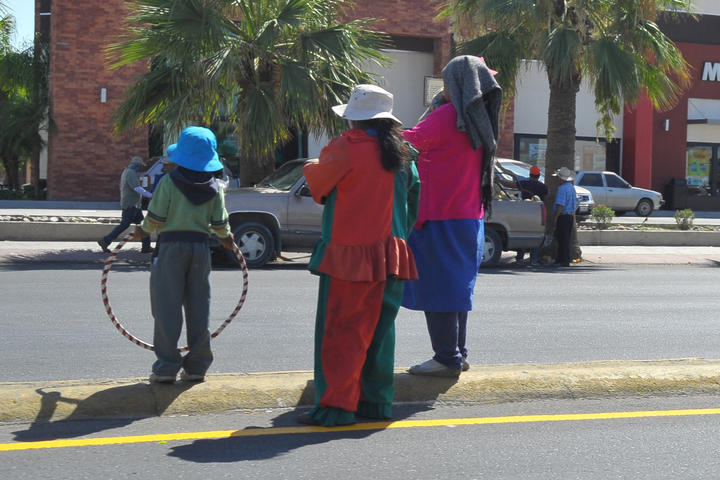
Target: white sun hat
{"points": [[367, 102], [564, 173]]}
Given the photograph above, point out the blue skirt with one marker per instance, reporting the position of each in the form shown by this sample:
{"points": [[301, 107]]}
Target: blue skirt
{"points": [[448, 255]]}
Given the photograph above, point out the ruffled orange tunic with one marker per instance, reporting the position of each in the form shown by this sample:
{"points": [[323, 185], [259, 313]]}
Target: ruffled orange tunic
{"points": [[368, 211]]}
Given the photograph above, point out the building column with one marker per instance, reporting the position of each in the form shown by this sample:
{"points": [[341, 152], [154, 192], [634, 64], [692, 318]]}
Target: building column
{"points": [[638, 126]]}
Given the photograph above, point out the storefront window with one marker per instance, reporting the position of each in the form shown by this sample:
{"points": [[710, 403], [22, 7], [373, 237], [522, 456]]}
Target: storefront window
{"points": [[589, 153], [532, 150], [699, 161]]}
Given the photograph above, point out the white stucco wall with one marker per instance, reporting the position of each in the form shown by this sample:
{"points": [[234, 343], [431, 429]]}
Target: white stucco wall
{"points": [[405, 79], [707, 7], [532, 99]]}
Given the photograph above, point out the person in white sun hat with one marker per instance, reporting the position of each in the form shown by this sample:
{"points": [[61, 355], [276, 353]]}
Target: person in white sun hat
{"points": [[564, 214], [369, 185]]}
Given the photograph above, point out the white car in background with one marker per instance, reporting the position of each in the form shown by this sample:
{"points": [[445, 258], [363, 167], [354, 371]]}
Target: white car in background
{"points": [[611, 190], [586, 200]]}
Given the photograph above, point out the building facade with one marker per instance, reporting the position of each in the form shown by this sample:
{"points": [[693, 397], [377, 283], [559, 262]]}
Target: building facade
{"points": [[680, 147], [84, 157]]}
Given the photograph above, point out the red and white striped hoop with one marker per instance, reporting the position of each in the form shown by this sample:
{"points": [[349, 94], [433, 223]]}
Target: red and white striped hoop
{"points": [[123, 331]]}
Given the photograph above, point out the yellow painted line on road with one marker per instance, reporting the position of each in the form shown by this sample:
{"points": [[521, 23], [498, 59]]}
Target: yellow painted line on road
{"points": [[258, 432]]}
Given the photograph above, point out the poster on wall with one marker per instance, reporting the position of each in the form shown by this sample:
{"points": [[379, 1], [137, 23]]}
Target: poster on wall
{"points": [[536, 153], [698, 166]]}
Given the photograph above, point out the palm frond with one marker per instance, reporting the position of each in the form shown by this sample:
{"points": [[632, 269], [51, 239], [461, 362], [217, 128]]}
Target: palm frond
{"points": [[562, 54], [268, 67]]}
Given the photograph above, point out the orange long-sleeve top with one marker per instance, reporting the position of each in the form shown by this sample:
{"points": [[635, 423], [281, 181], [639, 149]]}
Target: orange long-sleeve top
{"points": [[361, 245]]}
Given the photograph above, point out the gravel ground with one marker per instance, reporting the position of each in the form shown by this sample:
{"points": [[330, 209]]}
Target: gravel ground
{"points": [[57, 219]]}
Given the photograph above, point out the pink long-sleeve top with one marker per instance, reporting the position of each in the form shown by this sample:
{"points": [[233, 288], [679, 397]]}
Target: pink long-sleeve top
{"points": [[449, 168]]}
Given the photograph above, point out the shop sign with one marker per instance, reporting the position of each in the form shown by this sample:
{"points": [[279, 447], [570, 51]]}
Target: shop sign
{"points": [[711, 72]]}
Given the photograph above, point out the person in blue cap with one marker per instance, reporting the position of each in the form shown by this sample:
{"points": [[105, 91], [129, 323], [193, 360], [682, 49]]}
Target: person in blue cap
{"points": [[187, 206]]}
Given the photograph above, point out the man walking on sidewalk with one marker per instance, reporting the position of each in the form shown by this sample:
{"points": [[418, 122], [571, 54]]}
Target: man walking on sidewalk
{"points": [[131, 194]]}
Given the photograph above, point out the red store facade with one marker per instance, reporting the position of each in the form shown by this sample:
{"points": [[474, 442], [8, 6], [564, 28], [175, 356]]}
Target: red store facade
{"points": [[677, 152]]}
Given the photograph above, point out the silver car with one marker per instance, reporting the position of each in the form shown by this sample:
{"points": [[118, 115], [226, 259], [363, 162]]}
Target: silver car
{"points": [[276, 214], [611, 190], [279, 214]]}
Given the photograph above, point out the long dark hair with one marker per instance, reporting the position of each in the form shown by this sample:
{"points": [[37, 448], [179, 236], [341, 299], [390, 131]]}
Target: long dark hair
{"points": [[394, 152]]}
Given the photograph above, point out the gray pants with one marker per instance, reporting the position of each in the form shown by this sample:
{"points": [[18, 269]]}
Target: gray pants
{"points": [[180, 278]]}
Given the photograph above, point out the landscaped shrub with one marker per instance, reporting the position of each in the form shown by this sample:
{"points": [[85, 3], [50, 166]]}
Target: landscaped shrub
{"points": [[684, 218], [602, 216], [25, 193]]}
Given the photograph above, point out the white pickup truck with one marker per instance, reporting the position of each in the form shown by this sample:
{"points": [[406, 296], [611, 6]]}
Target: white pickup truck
{"points": [[278, 214]]}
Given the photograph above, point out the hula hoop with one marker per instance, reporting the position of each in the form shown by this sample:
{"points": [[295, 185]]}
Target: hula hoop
{"points": [[125, 333]]}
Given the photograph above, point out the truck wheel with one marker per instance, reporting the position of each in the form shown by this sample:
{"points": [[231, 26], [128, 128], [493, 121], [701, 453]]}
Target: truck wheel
{"points": [[256, 243], [644, 208], [492, 248]]}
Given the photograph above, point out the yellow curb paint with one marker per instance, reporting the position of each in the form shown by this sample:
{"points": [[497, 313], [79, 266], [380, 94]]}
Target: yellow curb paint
{"points": [[258, 432]]}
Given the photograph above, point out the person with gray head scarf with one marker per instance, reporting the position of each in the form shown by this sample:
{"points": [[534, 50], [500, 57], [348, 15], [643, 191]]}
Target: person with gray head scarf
{"points": [[457, 142]]}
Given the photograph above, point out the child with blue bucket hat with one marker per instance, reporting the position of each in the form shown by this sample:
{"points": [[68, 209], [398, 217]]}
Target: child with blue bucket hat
{"points": [[187, 206]]}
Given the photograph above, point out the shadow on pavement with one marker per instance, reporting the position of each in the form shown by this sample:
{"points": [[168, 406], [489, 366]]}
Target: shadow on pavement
{"points": [[125, 404], [38, 259], [262, 447]]}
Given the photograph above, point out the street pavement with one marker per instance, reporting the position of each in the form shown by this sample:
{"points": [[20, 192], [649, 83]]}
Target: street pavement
{"points": [[107, 398]]}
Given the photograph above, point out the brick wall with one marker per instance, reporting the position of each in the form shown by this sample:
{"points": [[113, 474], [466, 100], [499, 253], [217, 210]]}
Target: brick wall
{"points": [[85, 158], [506, 136], [412, 18]]}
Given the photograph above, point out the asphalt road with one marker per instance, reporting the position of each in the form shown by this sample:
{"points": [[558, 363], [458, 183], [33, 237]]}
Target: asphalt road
{"points": [[649, 438], [53, 325]]}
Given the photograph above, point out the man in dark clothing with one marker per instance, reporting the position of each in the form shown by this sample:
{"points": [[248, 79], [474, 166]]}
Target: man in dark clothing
{"points": [[533, 185], [131, 193], [528, 189]]}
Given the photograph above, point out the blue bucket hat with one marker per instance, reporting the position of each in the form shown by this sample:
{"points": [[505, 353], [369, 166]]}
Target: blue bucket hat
{"points": [[196, 150]]}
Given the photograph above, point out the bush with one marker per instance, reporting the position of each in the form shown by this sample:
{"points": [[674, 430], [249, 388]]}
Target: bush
{"points": [[24, 193], [684, 218], [602, 216]]}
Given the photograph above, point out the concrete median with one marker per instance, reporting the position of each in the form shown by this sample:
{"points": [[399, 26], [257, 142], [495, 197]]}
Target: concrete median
{"points": [[134, 397]]}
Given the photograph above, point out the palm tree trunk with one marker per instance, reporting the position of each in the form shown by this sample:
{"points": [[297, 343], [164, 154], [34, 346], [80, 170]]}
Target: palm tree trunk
{"points": [[35, 165], [561, 126], [11, 165], [560, 148]]}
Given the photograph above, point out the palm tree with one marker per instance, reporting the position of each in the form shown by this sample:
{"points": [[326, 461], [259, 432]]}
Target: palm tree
{"points": [[267, 67], [614, 44], [24, 102]]}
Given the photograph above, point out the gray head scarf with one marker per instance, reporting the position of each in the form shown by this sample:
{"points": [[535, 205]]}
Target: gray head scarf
{"points": [[476, 97]]}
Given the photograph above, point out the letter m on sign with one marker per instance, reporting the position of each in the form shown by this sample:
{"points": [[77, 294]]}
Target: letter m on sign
{"points": [[711, 72]]}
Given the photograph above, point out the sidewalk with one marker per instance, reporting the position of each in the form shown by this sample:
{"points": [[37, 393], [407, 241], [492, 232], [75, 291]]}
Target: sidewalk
{"points": [[89, 253]]}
